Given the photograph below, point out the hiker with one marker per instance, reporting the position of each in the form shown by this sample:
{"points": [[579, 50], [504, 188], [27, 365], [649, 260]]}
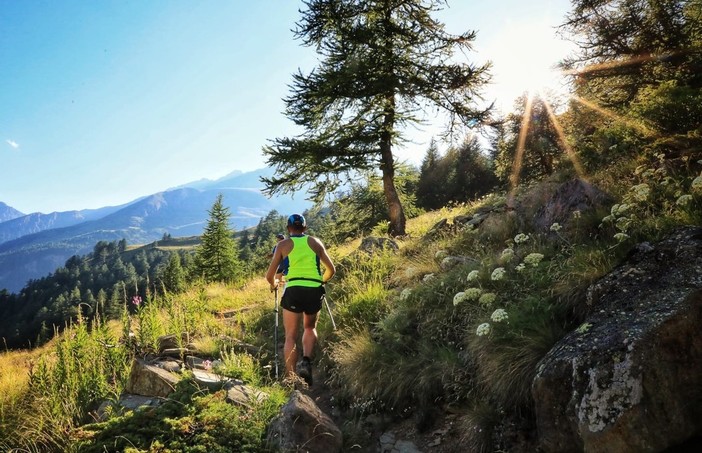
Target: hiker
{"points": [[303, 293], [283, 266]]}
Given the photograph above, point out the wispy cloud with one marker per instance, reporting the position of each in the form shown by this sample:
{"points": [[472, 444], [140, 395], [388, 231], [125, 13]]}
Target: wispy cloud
{"points": [[12, 143]]}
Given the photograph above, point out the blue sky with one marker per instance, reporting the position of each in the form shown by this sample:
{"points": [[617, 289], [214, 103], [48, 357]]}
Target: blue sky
{"points": [[105, 101]]}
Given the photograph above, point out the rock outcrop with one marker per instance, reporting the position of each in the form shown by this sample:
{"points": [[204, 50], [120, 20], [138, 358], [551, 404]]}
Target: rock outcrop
{"points": [[302, 427], [570, 197], [628, 379], [150, 380]]}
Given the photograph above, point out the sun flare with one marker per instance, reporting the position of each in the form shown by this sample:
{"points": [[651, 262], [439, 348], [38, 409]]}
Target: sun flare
{"points": [[528, 57]]}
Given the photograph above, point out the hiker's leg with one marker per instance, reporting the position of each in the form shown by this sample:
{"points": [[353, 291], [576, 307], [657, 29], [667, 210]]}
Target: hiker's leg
{"points": [[291, 320], [309, 336]]}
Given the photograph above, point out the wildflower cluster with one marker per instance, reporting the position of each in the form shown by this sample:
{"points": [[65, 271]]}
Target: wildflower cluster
{"points": [[696, 185], [521, 238], [640, 192], [470, 294], [499, 315], [507, 255], [472, 276], [483, 329], [487, 299], [657, 190], [533, 259], [404, 295], [498, 274]]}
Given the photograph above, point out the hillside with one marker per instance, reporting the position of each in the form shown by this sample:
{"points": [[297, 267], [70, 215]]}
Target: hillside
{"points": [[408, 363]]}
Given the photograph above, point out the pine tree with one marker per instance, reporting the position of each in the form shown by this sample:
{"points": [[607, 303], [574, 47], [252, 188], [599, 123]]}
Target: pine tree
{"points": [[173, 275], [627, 45], [430, 189], [384, 65], [217, 256]]}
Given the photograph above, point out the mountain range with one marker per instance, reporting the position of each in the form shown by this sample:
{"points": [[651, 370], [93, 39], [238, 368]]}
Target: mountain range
{"points": [[34, 245]]}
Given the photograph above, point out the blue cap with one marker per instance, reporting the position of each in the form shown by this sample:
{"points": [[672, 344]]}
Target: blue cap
{"points": [[297, 220]]}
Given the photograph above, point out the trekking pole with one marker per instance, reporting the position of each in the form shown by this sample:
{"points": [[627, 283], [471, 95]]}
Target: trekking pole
{"points": [[275, 333], [329, 311]]}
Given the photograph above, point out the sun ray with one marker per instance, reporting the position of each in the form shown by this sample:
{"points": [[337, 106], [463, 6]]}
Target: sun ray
{"points": [[564, 144], [521, 143], [628, 62], [616, 117]]}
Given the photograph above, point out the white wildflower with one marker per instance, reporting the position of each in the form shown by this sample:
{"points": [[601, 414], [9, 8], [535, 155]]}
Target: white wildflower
{"points": [[499, 315], [404, 295], [507, 255], [621, 237], [623, 223], [473, 294], [683, 200], [498, 274], [472, 276], [428, 278], [458, 298], [577, 214], [487, 298], [640, 192], [623, 208], [483, 329], [697, 184], [608, 218], [520, 267], [533, 259], [556, 227], [521, 238]]}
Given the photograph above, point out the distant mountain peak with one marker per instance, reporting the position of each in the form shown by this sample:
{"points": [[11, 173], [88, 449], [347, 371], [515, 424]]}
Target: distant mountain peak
{"points": [[8, 212]]}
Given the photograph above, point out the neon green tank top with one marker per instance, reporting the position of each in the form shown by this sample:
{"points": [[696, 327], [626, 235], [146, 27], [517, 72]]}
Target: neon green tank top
{"points": [[303, 267]]}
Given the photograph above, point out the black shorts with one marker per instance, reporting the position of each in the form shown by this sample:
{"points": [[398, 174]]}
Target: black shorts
{"points": [[300, 299]]}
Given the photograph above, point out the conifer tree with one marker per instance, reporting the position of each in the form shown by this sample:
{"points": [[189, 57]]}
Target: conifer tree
{"points": [[430, 189], [217, 256], [173, 275], [384, 65]]}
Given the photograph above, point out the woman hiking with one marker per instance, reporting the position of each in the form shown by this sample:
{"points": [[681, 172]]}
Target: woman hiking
{"points": [[303, 292]]}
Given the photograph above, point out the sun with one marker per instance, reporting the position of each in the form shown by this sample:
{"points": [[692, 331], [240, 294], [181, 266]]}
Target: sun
{"points": [[525, 61]]}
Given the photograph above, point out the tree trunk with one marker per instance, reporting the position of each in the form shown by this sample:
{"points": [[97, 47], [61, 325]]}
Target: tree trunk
{"points": [[387, 166]]}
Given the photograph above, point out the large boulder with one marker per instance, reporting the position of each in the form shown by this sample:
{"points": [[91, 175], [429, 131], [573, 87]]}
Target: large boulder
{"points": [[150, 380], [628, 379], [301, 426], [570, 197]]}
